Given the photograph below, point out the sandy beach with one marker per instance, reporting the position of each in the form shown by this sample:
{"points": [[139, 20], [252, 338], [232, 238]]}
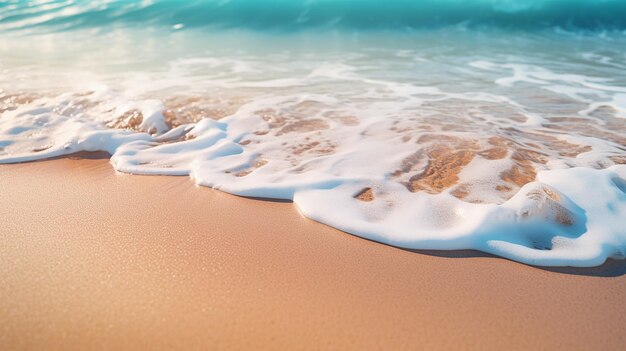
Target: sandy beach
{"points": [[91, 259]]}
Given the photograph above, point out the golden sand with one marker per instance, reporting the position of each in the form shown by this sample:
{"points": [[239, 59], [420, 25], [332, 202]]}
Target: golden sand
{"points": [[366, 195], [131, 120], [91, 259]]}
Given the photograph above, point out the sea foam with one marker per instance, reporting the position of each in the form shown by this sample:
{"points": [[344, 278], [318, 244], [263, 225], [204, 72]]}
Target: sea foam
{"points": [[446, 140]]}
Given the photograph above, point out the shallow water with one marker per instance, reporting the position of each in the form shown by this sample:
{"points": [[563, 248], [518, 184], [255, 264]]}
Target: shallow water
{"points": [[464, 136]]}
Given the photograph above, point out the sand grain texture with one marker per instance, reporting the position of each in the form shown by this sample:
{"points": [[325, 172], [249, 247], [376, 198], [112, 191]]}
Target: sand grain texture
{"points": [[90, 259]]}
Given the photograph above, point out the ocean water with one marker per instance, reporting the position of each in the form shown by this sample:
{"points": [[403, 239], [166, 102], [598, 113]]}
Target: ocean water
{"points": [[491, 125]]}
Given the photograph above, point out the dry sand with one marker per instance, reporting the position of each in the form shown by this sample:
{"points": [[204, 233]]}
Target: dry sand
{"points": [[90, 259]]}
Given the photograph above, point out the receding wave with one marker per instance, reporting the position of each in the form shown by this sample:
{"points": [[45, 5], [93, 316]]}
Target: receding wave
{"points": [[468, 136], [425, 141], [300, 14]]}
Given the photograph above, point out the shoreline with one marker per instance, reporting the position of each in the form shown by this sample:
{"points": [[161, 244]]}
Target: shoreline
{"points": [[95, 259]]}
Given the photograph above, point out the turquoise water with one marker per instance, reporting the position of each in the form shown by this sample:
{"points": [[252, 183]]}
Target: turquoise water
{"points": [[288, 15]]}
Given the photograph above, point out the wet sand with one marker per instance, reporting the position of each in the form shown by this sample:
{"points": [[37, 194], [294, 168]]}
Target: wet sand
{"points": [[91, 259]]}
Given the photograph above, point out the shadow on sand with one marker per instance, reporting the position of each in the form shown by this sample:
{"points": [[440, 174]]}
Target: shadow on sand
{"points": [[611, 268], [83, 155]]}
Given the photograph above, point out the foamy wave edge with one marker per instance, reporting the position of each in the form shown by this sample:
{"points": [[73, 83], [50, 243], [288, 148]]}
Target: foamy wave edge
{"points": [[567, 217]]}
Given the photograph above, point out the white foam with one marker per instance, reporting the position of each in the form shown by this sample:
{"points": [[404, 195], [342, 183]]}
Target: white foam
{"points": [[320, 127]]}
